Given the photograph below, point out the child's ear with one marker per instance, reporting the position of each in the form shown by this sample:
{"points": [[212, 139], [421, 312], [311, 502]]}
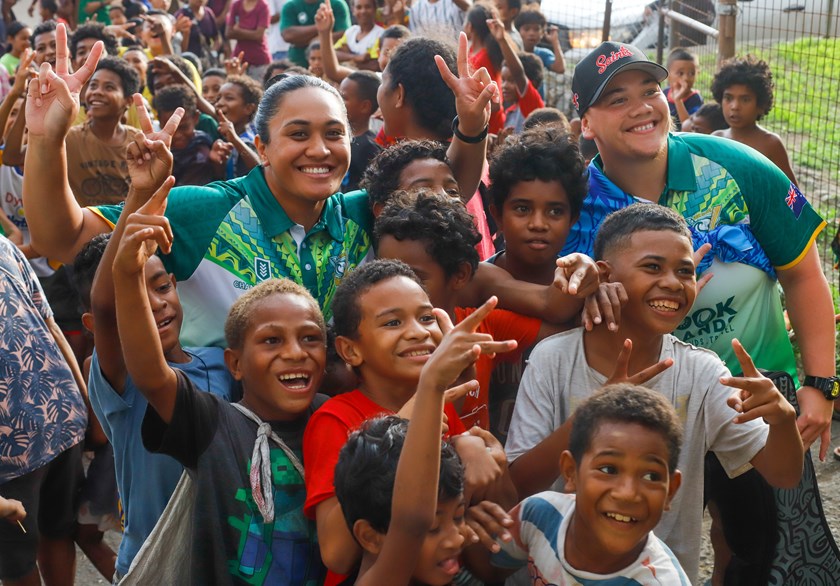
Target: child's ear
{"points": [[568, 469], [603, 270], [461, 277], [232, 361], [400, 97], [173, 280], [369, 538], [88, 321], [673, 486], [349, 350]]}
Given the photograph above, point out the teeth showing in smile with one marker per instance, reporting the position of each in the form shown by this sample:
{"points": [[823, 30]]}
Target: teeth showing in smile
{"points": [[164, 323], [663, 305], [643, 128], [417, 353], [620, 518], [294, 380], [315, 170]]}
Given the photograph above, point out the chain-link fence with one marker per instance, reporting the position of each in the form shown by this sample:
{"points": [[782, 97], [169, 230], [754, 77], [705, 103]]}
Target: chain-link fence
{"points": [[797, 38]]}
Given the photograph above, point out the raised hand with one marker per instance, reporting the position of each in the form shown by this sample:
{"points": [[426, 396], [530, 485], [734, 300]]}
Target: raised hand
{"points": [[488, 521], [622, 364], [497, 29], [474, 90], [604, 305], [146, 230], [220, 152], [756, 396], [24, 73], [226, 128], [148, 156], [54, 100], [236, 65], [576, 275], [324, 18], [461, 346]]}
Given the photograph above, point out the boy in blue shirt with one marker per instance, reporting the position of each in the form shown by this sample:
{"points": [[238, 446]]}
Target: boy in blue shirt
{"points": [[145, 480]]}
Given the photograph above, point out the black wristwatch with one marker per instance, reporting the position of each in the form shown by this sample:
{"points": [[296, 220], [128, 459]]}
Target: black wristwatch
{"points": [[830, 386]]}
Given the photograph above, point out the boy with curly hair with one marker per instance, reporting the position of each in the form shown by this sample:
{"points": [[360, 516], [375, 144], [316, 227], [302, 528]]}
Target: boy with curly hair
{"points": [[744, 89]]}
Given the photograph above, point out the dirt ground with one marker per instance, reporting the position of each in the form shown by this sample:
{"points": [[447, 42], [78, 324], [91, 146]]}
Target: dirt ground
{"points": [[828, 475]]}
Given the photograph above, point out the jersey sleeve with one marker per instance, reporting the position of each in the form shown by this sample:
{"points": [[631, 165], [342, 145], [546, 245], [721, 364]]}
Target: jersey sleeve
{"points": [[193, 425], [323, 439], [783, 221], [288, 16], [530, 100]]}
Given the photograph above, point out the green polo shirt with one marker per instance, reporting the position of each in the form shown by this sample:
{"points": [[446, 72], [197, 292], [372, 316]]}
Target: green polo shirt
{"points": [[231, 235], [302, 13], [713, 182]]}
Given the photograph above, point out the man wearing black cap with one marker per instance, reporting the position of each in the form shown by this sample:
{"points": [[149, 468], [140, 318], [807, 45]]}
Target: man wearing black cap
{"points": [[759, 224]]}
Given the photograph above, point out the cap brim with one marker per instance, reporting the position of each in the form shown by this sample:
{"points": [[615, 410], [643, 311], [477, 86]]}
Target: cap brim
{"points": [[655, 69]]}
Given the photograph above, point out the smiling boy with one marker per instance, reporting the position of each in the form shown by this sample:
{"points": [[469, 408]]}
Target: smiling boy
{"points": [[96, 150], [647, 249], [621, 468]]}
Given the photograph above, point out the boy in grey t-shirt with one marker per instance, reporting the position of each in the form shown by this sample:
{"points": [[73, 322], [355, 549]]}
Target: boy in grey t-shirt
{"points": [[647, 248]]}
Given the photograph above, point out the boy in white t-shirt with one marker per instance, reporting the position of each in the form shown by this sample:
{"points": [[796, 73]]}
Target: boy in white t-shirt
{"points": [[647, 248], [621, 467]]}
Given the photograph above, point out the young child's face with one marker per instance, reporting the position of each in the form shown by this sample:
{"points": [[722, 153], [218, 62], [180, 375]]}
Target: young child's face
{"points": [[364, 11], [104, 97], [117, 16], [45, 48], [535, 219], [231, 103], [697, 124], [531, 35], [623, 485], [166, 305], [397, 333], [413, 253], [658, 272], [185, 131], [684, 71], [438, 562], [357, 109], [13, 114], [283, 356], [315, 63], [138, 60], [21, 40], [505, 13], [431, 174], [211, 86], [510, 93], [740, 106], [386, 49]]}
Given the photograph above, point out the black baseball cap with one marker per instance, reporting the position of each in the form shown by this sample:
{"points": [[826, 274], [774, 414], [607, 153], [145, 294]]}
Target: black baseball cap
{"points": [[596, 70]]}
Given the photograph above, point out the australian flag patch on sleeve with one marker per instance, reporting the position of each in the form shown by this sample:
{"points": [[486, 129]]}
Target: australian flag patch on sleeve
{"points": [[795, 200]]}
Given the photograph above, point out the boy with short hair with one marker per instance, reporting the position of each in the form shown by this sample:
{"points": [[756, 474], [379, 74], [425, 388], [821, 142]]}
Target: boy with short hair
{"points": [[192, 149], [359, 93], [744, 89], [683, 99], [402, 493], [620, 474], [533, 27], [386, 329], [648, 249], [96, 150], [244, 458], [706, 120], [145, 480]]}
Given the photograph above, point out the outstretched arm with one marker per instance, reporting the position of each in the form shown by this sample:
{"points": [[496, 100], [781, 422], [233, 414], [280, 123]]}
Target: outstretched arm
{"points": [[145, 231], [59, 227], [324, 23], [416, 483], [474, 90]]}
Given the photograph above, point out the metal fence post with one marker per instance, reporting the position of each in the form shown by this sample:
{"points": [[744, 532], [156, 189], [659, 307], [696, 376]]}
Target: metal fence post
{"points": [[605, 30], [727, 14]]}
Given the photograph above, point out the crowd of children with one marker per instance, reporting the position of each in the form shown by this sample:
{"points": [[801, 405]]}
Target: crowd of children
{"points": [[327, 295]]}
